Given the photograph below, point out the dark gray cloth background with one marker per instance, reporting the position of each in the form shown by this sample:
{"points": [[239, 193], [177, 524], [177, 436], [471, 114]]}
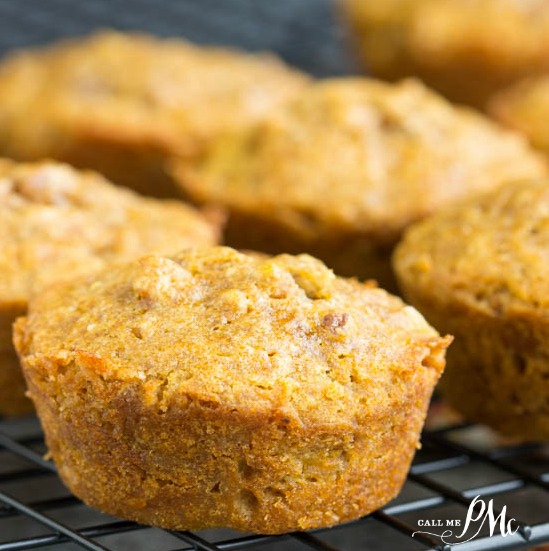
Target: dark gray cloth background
{"points": [[304, 32]]}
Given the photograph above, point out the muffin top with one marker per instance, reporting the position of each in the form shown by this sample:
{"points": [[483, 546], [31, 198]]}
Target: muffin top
{"points": [[489, 254], [57, 222], [358, 155], [510, 37], [281, 336], [525, 107], [133, 88]]}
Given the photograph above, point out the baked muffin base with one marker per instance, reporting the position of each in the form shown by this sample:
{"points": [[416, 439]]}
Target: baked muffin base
{"points": [[497, 370], [138, 166], [497, 374], [272, 477]]}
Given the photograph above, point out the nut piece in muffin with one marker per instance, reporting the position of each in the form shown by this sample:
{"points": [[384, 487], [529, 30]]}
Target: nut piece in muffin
{"points": [[479, 270], [465, 49], [119, 103], [55, 223], [214, 388], [342, 169], [524, 107]]}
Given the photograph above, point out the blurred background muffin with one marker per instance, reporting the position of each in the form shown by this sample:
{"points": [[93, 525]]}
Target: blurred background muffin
{"points": [[465, 49], [524, 107], [341, 170], [479, 271], [120, 103]]}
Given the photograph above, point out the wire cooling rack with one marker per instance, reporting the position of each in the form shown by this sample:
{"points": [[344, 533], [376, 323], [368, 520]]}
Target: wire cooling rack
{"points": [[455, 465]]}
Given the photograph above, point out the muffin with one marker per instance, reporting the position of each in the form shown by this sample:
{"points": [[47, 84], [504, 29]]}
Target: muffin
{"points": [[465, 49], [119, 103], [479, 270], [214, 388], [55, 223], [524, 107], [342, 169]]}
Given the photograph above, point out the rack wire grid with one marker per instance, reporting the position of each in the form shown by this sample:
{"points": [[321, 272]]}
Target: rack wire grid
{"points": [[456, 464]]}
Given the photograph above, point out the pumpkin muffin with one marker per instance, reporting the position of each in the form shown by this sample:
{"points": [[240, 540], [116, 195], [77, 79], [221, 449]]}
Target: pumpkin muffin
{"points": [[55, 223], [465, 49], [525, 107], [214, 388], [342, 169], [119, 103], [479, 270]]}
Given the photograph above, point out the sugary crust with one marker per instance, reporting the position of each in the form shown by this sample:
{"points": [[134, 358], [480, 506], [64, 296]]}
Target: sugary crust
{"points": [[57, 222], [119, 103], [262, 394], [525, 107], [341, 170], [466, 49], [479, 271]]}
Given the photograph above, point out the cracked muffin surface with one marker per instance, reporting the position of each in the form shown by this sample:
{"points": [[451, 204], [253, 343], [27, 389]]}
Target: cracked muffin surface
{"points": [[119, 103], [343, 168], [262, 394], [479, 271], [56, 223]]}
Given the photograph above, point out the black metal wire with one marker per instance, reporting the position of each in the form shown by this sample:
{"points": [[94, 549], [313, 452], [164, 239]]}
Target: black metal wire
{"points": [[60, 528], [36, 542]]}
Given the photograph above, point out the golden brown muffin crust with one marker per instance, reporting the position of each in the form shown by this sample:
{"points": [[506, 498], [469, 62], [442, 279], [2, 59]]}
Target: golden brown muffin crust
{"points": [[491, 251], [220, 302], [466, 49], [119, 103], [353, 160], [242, 386]]}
